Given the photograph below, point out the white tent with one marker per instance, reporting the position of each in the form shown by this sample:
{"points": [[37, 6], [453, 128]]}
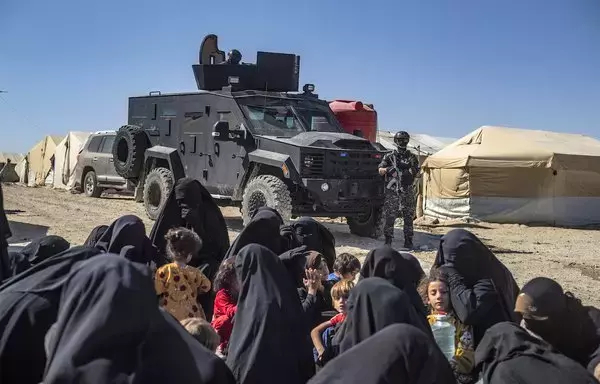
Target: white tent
{"points": [[65, 159], [39, 163], [9, 174]]}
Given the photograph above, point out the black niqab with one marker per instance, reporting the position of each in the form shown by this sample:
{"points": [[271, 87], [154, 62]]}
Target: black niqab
{"points": [[269, 342], [399, 353], [95, 235], [110, 304], [482, 290], [127, 236], [190, 205], [264, 229], [509, 354], [389, 264], [5, 233], [374, 304], [316, 237], [43, 248], [28, 307]]}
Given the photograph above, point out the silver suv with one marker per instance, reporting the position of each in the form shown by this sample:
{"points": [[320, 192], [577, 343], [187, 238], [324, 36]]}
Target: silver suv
{"points": [[95, 169]]}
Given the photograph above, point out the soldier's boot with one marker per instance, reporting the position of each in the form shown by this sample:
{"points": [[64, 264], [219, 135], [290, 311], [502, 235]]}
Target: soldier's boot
{"points": [[408, 243]]}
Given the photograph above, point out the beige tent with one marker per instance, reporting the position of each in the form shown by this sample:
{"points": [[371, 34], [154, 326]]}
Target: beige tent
{"points": [[39, 164], [509, 175], [65, 159], [9, 173]]}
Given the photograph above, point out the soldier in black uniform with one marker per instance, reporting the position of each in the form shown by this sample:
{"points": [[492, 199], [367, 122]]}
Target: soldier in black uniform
{"points": [[400, 169]]}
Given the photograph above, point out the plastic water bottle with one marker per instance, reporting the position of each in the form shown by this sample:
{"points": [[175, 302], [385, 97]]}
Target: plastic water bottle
{"points": [[444, 333]]}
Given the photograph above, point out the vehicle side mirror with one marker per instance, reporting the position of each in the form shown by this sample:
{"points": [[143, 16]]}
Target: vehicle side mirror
{"points": [[221, 131]]}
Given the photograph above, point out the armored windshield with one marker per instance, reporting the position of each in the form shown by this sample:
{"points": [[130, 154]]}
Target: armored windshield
{"points": [[286, 117]]}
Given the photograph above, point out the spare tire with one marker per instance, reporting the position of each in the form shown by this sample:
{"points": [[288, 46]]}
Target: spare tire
{"points": [[128, 151]]}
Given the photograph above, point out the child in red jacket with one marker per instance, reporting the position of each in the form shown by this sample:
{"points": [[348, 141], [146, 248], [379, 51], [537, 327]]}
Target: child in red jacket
{"points": [[226, 286]]}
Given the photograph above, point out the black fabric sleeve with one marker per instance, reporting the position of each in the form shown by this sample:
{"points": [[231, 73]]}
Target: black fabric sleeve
{"points": [[386, 161], [309, 302], [471, 305], [594, 314]]}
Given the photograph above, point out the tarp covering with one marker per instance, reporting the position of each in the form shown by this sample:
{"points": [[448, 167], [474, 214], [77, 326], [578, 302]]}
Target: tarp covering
{"points": [[65, 159], [9, 174], [512, 175], [39, 160]]}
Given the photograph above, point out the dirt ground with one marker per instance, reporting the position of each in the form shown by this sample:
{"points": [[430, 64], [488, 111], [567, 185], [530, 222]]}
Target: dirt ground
{"points": [[571, 256]]}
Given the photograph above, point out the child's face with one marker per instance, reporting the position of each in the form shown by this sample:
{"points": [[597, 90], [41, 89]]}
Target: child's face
{"points": [[340, 304], [437, 294]]}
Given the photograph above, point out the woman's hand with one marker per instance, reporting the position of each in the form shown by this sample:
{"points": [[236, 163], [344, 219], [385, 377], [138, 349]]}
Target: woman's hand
{"points": [[312, 281]]}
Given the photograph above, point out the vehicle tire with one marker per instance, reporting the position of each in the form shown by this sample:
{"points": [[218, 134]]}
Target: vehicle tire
{"points": [[270, 191], [90, 185], [128, 151], [157, 187], [369, 226]]}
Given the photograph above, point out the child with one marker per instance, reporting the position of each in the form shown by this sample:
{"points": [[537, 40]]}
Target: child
{"points": [[345, 267], [226, 286], [203, 332], [177, 284], [339, 295], [435, 294]]}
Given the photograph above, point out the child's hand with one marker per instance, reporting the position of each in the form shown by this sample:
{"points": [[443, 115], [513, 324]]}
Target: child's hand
{"points": [[312, 281]]}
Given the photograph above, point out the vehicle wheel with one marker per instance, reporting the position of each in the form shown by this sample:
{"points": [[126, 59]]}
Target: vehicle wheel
{"points": [[266, 190], [90, 185], [128, 151], [158, 186], [370, 225]]}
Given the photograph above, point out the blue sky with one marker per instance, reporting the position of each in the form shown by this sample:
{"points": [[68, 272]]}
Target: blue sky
{"points": [[442, 67]]}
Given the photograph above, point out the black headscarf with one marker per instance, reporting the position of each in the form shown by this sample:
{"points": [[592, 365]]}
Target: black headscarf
{"points": [[373, 305], [389, 264], [190, 205], [17, 263], [41, 249], [294, 262], [482, 290], [5, 233], [316, 237], [122, 336], [95, 235], [509, 354], [399, 353], [269, 342], [28, 307], [264, 229], [127, 236]]}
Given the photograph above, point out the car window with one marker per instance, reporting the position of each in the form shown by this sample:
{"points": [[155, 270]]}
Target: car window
{"points": [[107, 144], [95, 144]]}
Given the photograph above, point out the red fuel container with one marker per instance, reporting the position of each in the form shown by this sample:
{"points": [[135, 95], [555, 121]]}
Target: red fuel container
{"points": [[356, 118]]}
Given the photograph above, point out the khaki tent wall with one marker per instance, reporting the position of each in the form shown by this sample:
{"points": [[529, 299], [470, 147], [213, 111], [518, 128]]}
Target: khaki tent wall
{"points": [[540, 180], [65, 158], [9, 173], [39, 162]]}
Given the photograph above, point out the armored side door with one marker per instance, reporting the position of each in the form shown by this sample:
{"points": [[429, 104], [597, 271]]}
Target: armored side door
{"points": [[192, 134]]}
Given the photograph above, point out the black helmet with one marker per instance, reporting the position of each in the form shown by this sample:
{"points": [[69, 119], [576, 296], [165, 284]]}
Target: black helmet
{"points": [[234, 57], [401, 139]]}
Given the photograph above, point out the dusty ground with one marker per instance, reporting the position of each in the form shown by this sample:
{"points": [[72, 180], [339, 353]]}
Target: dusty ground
{"points": [[570, 256]]}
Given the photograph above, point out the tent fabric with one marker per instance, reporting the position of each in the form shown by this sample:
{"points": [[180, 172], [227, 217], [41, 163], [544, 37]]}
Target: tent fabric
{"points": [[65, 159], [509, 175], [39, 160], [10, 173]]}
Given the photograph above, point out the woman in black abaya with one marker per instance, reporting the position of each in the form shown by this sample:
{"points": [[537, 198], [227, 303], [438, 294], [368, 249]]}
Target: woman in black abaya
{"points": [[95, 235], [373, 305], [122, 335], [126, 236], [191, 206], [28, 308], [482, 290], [509, 354], [316, 237], [389, 264], [264, 228], [37, 251], [399, 353], [269, 342]]}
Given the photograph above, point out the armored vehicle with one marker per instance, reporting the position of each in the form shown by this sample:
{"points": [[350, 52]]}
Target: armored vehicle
{"points": [[251, 139]]}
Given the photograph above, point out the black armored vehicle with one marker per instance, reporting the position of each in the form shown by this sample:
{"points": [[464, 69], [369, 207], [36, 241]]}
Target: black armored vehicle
{"points": [[252, 140]]}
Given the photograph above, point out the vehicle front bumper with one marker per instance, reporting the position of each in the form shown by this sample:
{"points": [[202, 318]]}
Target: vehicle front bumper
{"points": [[351, 196]]}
